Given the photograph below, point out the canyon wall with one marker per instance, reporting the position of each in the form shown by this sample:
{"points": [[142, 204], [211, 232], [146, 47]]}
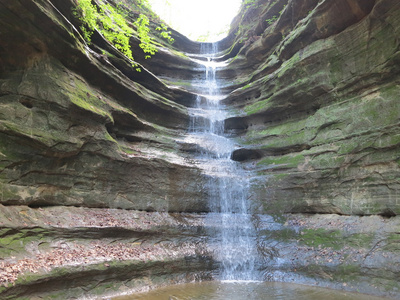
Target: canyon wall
{"points": [[94, 167], [80, 128], [91, 168], [317, 110]]}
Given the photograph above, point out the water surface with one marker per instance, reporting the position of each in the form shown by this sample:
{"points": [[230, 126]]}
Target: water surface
{"points": [[246, 291]]}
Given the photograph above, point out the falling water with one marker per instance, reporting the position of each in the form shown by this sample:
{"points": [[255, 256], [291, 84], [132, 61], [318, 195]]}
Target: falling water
{"points": [[233, 235]]}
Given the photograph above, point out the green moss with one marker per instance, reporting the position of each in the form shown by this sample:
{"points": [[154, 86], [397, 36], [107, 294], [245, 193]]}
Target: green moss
{"points": [[379, 110], [180, 54], [325, 161], [287, 141], [392, 242], [287, 128], [246, 86], [336, 68], [322, 237], [335, 239], [280, 176], [279, 218], [284, 235], [280, 136], [180, 83], [289, 160], [8, 192], [6, 241], [391, 285], [109, 138], [43, 136], [347, 272], [16, 243], [348, 147], [289, 64], [387, 141], [128, 150], [82, 96], [108, 54], [9, 126], [359, 240], [258, 106]]}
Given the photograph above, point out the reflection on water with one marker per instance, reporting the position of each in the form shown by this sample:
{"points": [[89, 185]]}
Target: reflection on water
{"points": [[245, 291]]}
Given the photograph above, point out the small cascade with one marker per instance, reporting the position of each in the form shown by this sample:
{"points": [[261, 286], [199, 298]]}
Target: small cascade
{"points": [[233, 234]]}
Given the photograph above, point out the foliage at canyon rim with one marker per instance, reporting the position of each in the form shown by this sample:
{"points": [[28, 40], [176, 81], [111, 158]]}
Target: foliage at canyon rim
{"points": [[112, 23]]}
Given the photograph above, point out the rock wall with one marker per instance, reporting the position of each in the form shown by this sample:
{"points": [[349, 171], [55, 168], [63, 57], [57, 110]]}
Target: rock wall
{"points": [[87, 145], [101, 195], [315, 112], [316, 108], [82, 128]]}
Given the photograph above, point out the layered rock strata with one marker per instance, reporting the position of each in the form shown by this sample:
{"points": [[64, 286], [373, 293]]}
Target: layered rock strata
{"points": [[78, 129], [352, 253], [100, 194], [83, 139], [71, 252], [317, 111]]}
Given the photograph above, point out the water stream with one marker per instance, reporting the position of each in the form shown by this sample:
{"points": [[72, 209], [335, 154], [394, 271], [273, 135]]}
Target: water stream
{"points": [[233, 234]]}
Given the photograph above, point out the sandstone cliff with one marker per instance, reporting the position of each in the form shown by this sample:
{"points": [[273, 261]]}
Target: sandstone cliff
{"points": [[83, 136], [94, 167], [315, 112], [82, 128], [316, 108]]}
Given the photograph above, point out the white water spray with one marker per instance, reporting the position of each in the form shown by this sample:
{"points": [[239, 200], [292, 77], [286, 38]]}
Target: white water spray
{"points": [[233, 234]]}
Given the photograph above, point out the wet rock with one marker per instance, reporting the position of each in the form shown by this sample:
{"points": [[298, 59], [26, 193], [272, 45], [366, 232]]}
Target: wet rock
{"points": [[341, 252], [246, 154], [80, 251], [80, 130], [93, 155], [322, 110]]}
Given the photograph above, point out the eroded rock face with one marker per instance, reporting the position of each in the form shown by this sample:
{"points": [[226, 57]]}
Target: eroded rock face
{"points": [[315, 112], [352, 253], [78, 129], [87, 145], [319, 103], [70, 252]]}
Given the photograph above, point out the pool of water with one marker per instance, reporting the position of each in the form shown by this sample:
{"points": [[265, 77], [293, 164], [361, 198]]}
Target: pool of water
{"points": [[245, 291]]}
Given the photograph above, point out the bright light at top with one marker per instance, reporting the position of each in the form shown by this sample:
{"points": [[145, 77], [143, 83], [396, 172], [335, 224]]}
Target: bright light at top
{"points": [[198, 18]]}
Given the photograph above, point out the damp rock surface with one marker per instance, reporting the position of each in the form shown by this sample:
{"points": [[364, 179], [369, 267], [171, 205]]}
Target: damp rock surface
{"points": [[101, 194], [76, 129], [315, 109], [68, 252], [352, 253]]}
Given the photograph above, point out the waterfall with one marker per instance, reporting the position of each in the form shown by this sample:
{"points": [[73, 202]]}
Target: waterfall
{"points": [[233, 235]]}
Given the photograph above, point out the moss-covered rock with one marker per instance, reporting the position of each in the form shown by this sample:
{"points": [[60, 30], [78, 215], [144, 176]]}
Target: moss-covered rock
{"points": [[343, 252], [313, 99], [331, 102], [78, 127]]}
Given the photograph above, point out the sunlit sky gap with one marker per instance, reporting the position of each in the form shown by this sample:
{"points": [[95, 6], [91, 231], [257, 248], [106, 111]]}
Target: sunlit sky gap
{"points": [[198, 18]]}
